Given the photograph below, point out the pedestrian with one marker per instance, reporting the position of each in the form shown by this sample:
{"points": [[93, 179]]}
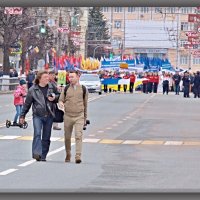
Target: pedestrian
{"points": [[177, 79], [186, 85], [126, 76], [105, 86], [74, 101], [19, 95], [150, 82], [30, 78], [145, 82], [42, 96], [166, 80], [196, 85], [132, 82], [52, 80], [155, 82]]}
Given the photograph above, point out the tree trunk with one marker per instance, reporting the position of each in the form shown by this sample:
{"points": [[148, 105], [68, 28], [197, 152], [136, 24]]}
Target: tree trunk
{"points": [[6, 62]]}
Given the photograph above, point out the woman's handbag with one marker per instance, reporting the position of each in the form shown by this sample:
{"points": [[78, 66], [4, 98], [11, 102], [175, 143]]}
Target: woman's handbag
{"points": [[59, 114]]}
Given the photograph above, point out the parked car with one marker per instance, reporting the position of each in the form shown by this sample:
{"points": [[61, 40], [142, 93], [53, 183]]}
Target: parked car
{"points": [[92, 82]]}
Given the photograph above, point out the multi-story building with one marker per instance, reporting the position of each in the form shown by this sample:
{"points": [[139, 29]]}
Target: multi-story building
{"points": [[153, 31]]}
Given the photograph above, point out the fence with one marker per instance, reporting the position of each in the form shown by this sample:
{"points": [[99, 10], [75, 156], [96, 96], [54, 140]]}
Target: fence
{"points": [[9, 84]]}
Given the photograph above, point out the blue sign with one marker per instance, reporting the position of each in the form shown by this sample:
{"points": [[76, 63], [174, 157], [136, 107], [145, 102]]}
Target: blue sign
{"points": [[116, 64]]}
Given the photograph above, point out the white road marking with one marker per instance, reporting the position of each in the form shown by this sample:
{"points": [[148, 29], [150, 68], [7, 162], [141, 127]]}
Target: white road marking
{"points": [[26, 163], [108, 128], [91, 140], [9, 137], [55, 138], [6, 172], [173, 143], [132, 142], [100, 131], [57, 150]]}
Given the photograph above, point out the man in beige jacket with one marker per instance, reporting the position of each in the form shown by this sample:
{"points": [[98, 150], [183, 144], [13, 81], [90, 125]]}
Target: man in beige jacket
{"points": [[74, 103]]}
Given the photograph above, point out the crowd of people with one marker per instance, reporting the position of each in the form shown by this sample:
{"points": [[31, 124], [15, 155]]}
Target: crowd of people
{"points": [[171, 82]]}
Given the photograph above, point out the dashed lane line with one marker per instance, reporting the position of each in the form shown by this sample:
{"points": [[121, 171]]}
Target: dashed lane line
{"points": [[111, 141], [6, 172]]}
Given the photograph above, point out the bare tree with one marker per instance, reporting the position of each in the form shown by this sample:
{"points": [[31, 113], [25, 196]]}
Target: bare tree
{"points": [[11, 26]]}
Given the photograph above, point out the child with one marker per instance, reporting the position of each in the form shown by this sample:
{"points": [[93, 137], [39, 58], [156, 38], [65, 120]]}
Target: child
{"points": [[19, 95]]}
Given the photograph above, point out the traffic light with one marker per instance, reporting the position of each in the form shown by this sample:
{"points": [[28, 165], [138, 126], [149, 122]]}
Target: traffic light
{"points": [[43, 28]]}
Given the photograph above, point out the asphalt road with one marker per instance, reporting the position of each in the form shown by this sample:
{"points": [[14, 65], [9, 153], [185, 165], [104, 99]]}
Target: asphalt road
{"points": [[135, 143]]}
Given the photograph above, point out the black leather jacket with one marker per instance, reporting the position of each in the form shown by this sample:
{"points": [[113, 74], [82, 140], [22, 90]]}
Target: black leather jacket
{"points": [[36, 98]]}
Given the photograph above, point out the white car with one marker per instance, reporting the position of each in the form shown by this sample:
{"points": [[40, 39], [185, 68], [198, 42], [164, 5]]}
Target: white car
{"points": [[92, 82]]}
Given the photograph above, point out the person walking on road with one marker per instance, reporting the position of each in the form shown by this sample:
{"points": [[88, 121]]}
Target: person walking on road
{"points": [[52, 79], [186, 85], [196, 85], [19, 95], [177, 80], [30, 78], [42, 96], [74, 102]]}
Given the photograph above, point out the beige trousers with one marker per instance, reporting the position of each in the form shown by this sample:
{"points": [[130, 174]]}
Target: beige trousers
{"points": [[77, 123]]}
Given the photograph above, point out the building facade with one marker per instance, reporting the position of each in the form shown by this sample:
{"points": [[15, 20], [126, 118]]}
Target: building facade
{"points": [[153, 31]]}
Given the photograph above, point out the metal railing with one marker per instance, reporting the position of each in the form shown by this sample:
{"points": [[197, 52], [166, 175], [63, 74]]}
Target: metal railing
{"points": [[9, 84]]}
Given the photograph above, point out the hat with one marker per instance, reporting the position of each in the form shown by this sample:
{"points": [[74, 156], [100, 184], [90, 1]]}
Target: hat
{"points": [[22, 82]]}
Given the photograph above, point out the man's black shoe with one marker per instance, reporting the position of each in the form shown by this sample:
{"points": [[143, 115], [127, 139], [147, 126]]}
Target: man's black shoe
{"points": [[43, 160], [37, 157]]}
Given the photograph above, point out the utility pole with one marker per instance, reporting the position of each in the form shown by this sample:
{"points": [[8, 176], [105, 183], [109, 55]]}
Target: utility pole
{"points": [[177, 40]]}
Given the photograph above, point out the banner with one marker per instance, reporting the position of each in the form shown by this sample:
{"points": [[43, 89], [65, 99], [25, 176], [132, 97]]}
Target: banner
{"points": [[61, 77], [116, 64]]}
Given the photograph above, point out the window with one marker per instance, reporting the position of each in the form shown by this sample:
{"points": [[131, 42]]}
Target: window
{"points": [[105, 9], [131, 9], [185, 10], [183, 42], [184, 26], [118, 24], [118, 9], [171, 10], [158, 10], [184, 60], [144, 9], [196, 61]]}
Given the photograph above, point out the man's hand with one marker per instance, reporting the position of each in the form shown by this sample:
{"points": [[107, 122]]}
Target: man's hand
{"points": [[21, 120], [51, 98]]}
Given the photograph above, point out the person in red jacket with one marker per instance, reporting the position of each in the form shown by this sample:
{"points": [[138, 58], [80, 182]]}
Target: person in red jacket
{"points": [[145, 82], [155, 82], [19, 95], [150, 82], [105, 76], [126, 76], [132, 81]]}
